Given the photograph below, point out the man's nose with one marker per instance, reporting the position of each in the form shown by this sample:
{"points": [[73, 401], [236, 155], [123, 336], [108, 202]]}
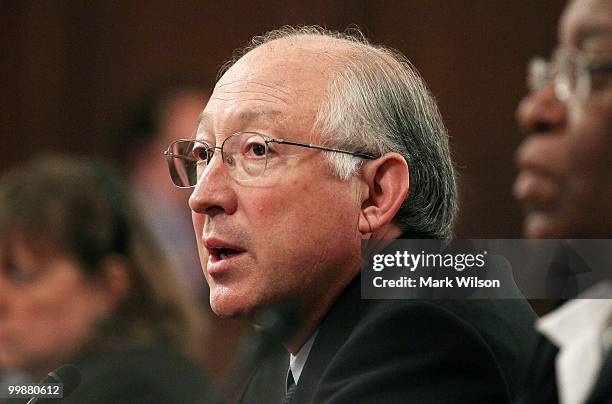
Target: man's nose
{"points": [[541, 112], [214, 193]]}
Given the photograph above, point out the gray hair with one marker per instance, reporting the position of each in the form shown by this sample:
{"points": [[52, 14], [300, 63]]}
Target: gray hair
{"points": [[378, 103]]}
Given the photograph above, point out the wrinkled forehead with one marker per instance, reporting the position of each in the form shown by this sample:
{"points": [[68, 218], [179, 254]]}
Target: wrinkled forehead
{"points": [[585, 21], [284, 80]]}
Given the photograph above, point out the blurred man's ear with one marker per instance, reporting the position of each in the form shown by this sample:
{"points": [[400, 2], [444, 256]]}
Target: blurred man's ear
{"points": [[386, 184]]}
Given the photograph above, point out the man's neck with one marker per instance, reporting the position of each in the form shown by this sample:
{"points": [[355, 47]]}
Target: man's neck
{"points": [[316, 313], [317, 310]]}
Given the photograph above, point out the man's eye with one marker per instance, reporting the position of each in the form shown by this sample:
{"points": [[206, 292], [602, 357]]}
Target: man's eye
{"points": [[256, 149], [201, 153]]}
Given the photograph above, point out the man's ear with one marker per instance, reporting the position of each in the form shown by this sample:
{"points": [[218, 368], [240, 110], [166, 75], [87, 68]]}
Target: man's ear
{"points": [[386, 182]]}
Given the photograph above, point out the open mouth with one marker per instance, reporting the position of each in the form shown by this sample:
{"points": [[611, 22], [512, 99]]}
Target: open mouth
{"points": [[219, 254], [220, 251]]}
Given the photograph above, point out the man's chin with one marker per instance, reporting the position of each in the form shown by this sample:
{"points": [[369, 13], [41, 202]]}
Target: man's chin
{"points": [[542, 225], [226, 307]]}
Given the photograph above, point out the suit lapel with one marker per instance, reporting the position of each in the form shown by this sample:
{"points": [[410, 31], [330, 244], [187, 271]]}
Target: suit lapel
{"points": [[333, 332], [541, 384], [602, 390], [541, 380], [268, 381]]}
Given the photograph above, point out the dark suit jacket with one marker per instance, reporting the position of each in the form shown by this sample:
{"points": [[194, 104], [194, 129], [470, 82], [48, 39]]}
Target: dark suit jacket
{"points": [[541, 384], [407, 351], [151, 375]]}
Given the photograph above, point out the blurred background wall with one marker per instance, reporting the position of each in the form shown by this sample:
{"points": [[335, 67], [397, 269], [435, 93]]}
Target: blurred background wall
{"points": [[71, 69]]}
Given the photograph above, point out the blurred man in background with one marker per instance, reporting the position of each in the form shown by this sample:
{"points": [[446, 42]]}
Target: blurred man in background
{"points": [[565, 186], [565, 180], [169, 111]]}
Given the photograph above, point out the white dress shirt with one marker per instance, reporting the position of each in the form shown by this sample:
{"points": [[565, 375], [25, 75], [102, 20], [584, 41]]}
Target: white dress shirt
{"points": [[582, 330], [297, 362]]}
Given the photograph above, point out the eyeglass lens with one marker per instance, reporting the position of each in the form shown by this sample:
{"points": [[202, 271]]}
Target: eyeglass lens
{"points": [[569, 76], [244, 154]]}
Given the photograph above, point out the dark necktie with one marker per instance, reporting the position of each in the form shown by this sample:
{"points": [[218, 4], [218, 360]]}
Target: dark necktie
{"points": [[291, 386]]}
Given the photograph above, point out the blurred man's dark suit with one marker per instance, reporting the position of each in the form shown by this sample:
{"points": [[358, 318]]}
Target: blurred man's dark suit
{"points": [[541, 383], [407, 351], [570, 261]]}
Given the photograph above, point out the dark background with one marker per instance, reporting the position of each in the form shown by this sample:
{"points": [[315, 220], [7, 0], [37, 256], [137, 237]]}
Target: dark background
{"points": [[71, 68]]}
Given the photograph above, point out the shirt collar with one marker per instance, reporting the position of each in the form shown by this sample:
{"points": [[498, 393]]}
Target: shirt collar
{"points": [[579, 329], [569, 322], [297, 362]]}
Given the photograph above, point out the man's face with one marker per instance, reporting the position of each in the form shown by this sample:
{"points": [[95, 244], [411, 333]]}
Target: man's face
{"points": [[292, 233], [565, 180]]}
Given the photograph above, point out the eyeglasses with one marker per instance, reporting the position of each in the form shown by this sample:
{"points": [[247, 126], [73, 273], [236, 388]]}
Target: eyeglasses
{"points": [[247, 155], [574, 75]]}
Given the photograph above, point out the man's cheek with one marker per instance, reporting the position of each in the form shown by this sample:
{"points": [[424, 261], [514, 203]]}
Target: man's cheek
{"points": [[264, 205]]}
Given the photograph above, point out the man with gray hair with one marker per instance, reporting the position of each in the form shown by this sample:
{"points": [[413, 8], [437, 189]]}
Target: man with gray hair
{"points": [[312, 142]]}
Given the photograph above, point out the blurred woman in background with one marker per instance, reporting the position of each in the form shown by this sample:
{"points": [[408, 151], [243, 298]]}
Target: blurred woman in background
{"points": [[83, 281]]}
